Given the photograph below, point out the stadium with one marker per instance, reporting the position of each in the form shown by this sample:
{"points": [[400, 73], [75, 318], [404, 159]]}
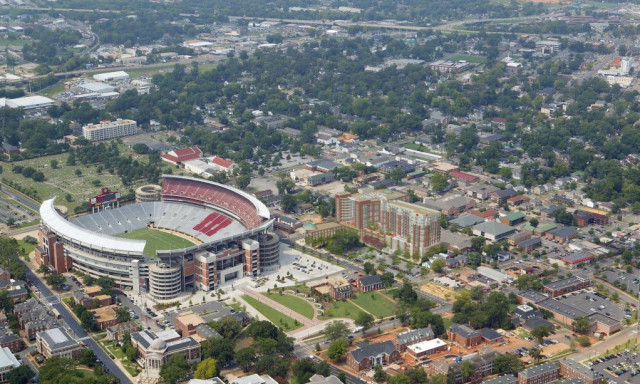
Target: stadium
{"points": [[188, 234]]}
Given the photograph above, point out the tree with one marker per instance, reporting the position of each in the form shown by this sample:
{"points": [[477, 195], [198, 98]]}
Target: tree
{"points": [[44, 269], [338, 349], [21, 375], [379, 374], [342, 377], [369, 268], [55, 279], [288, 203], [439, 378], [245, 357], [438, 265], [243, 181], [107, 284], [336, 330], [466, 370], [581, 325], [396, 174], [175, 369], [364, 320], [387, 279], [228, 327], [534, 222], [399, 379], [87, 357], [536, 354], [540, 332], [207, 369], [507, 363], [220, 349], [122, 315], [439, 182], [54, 164]]}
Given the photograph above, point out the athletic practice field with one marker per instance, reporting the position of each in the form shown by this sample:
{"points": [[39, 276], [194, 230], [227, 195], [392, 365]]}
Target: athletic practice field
{"points": [[157, 240]]}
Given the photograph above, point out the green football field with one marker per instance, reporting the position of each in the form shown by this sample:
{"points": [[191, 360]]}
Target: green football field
{"points": [[157, 240]]}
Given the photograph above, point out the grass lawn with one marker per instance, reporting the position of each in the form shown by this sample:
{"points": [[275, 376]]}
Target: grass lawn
{"points": [[157, 240], [277, 318], [17, 42], [470, 59], [53, 90], [63, 180], [342, 309], [294, 303], [417, 147], [28, 248], [376, 304]]}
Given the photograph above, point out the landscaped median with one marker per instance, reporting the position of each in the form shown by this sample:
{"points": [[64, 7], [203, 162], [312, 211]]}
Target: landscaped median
{"points": [[272, 314]]}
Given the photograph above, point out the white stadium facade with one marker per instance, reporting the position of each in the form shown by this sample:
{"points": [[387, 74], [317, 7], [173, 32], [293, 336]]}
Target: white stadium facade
{"points": [[231, 231]]}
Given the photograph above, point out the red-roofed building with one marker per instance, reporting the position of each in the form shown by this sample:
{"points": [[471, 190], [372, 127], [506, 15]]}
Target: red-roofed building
{"points": [[222, 165], [178, 156], [462, 176], [488, 214], [501, 121]]}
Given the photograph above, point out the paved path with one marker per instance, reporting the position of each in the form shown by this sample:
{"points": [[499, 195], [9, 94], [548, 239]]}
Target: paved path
{"points": [[607, 344]]}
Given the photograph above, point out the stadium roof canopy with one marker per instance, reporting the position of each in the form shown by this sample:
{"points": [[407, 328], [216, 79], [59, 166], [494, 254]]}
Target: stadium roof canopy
{"points": [[65, 229]]}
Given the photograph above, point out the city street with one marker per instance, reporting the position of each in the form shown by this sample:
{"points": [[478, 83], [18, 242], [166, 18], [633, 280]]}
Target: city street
{"points": [[76, 330]]}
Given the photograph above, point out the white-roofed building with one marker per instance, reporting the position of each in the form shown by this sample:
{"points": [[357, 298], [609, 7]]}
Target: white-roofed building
{"points": [[96, 87], [109, 130], [56, 342], [492, 274], [30, 102], [254, 379], [423, 349], [8, 362], [111, 76]]}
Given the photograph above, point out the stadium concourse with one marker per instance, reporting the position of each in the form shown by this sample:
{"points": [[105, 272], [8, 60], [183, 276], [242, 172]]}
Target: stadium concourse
{"points": [[226, 232]]}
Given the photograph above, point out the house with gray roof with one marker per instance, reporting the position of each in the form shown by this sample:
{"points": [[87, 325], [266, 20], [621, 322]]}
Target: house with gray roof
{"points": [[367, 356]]}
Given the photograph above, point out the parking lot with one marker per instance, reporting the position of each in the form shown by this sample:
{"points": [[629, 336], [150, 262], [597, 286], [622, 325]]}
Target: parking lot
{"points": [[590, 302], [619, 368], [625, 281]]}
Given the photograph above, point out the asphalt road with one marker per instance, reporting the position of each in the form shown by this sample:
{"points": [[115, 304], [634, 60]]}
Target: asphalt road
{"points": [[51, 299], [27, 202]]}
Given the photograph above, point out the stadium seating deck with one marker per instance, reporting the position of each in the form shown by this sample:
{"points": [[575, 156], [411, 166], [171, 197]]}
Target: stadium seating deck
{"points": [[164, 214], [202, 193]]}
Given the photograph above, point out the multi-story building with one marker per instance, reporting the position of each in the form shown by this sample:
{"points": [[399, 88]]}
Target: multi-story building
{"points": [[567, 285], [107, 130], [8, 362], [155, 350], [412, 337], [388, 219], [540, 374], [340, 289], [464, 335], [56, 342], [571, 369]]}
